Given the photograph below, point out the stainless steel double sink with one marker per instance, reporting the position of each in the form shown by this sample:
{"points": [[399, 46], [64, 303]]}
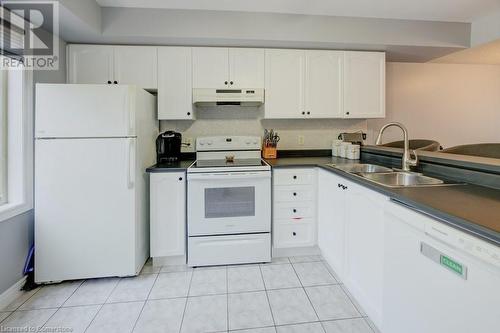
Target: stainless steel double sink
{"points": [[388, 177]]}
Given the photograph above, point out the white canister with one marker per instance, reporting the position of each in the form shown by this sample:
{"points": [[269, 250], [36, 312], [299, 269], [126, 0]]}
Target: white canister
{"points": [[343, 149], [336, 147], [353, 152]]}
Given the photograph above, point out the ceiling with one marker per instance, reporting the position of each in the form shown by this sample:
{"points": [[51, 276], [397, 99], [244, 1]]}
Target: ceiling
{"points": [[433, 10]]}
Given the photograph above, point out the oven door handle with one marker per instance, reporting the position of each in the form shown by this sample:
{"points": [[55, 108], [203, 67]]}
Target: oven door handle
{"points": [[229, 175]]}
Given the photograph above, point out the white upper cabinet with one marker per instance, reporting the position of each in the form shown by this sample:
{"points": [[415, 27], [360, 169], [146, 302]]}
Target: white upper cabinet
{"points": [[91, 64], [364, 85], [246, 68], [210, 67], [323, 84], [228, 68], [107, 64], [136, 65], [174, 83], [284, 84]]}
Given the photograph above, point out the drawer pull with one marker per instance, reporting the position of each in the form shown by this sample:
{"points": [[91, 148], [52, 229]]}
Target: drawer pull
{"points": [[294, 177], [294, 194], [294, 233], [297, 218], [294, 210]]}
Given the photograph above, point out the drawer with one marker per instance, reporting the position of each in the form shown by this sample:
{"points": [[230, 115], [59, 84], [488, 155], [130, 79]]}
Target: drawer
{"points": [[293, 235], [287, 210], [294, 176], [293, 193]]}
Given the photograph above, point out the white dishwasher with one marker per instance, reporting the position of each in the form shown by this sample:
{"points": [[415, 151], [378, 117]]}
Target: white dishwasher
{"points": [[437, 279]]}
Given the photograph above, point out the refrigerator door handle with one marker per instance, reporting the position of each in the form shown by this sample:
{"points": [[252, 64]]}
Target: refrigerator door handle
{"points": [[131, 163]]}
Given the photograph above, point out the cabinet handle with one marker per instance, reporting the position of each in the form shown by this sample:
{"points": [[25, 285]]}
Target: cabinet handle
{"points": [[294, 233], [109, 82], [294, 210], [180, 178], [303, 112], [231, 82], [339, 185], [225, 82], [189, 113], [294, 177], [308, 112], [294, 194], [115, 82], [347, 113]]}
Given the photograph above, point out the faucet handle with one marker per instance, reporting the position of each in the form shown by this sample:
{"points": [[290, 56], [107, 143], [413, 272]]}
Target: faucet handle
{"points": [[413, 160]]}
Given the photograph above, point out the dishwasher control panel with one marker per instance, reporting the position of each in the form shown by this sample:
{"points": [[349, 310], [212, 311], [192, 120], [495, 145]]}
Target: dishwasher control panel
{"points": [[474, 246]]}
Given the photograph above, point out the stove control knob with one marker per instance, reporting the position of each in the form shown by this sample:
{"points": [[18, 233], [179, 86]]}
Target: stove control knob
{"points": [[255, 142], [202, 143], [209, 142], [247, 142]]}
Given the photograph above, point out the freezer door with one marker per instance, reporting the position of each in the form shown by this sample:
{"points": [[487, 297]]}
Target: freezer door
{"points": [[85, 210], [84, 111]]}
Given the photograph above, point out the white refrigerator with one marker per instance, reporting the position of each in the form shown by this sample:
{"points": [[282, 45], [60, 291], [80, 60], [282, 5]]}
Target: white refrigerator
{"points": [[92, 146]]}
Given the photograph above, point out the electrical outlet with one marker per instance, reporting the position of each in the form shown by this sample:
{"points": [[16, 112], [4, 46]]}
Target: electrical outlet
{"points": [[188, 144], [301, 140]]}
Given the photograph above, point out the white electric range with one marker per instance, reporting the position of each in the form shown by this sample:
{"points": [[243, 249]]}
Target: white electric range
{"points": [[229, 202]]}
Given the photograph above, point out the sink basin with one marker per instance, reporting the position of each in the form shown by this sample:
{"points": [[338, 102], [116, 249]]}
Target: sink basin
{"points": [[401, 179], [362, 168]]}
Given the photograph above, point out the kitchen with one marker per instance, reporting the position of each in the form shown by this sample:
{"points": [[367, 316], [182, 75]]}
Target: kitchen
{"points": [[194, 171]]}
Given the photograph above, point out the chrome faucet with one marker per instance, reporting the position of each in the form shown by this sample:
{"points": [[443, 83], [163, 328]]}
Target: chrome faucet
{"points": [[407, 159]]}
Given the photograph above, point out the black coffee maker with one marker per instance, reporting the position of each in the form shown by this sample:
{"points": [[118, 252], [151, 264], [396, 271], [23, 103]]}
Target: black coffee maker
{"points": [[168, 147]]}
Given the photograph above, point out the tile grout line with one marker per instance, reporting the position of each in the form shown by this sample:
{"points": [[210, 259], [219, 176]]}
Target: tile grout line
{"points": [[60, 307], [187, 298], [102, 305], [227, 300], [145, 301], [305, 292], [267, 296]]}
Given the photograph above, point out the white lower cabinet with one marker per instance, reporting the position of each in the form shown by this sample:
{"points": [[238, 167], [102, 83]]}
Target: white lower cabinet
{"points": [[168, 214], [364, 248], [294, 208], [350, 237], [331, 219]]}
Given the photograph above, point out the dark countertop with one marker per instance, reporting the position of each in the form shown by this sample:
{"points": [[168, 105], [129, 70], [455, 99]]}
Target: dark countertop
{"points": [[471, 208], [170, 167]]}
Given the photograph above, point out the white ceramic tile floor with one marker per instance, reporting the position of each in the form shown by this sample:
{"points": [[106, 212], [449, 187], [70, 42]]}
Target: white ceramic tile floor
{"points": [[296, 294]]}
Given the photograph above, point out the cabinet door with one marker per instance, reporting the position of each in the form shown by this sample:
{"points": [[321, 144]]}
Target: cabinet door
{"points": [[210, 67], [136, 65], [365, 248], [168, 214], [323, 87], [246, 68], [284, 84], [174, 83], [331, 219], [91, 64], [364, 85]]}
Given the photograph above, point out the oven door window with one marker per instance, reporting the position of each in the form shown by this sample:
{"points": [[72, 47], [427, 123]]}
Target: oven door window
{"points": [[229, 202]]}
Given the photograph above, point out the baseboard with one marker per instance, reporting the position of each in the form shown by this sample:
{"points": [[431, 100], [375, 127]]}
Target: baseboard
{"points": [[12, 293]]}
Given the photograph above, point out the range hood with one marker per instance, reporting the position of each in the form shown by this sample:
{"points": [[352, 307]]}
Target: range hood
{"points": [[242, 97]]}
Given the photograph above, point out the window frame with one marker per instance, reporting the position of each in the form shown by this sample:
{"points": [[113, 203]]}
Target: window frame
{"points": [[20, 152]]}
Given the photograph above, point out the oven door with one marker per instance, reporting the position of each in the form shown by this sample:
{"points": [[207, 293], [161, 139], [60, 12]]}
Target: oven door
{"points": [[229, 203]]}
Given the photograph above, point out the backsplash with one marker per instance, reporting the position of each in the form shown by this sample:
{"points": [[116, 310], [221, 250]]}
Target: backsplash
{"points": [[233, 120]]}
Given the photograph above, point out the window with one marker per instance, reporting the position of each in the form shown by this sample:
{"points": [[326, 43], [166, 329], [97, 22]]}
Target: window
{"points": [[16, 142]]}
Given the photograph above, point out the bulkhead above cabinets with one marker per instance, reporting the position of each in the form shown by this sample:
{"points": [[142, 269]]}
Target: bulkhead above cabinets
{"points": [[297, 84]]}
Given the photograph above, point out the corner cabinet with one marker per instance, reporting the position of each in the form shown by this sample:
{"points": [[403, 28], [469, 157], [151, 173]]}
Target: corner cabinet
{"points": [[168, 214], [364, 85], [108, 64], [175, 101], [228, 68]]}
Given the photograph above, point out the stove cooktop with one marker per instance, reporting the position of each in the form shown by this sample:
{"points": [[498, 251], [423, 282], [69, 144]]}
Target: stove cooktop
{"points": [[224, 165]]}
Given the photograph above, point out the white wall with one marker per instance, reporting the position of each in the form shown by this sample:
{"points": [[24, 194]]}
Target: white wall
{"points": [[318, 133], [454, 104]]}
